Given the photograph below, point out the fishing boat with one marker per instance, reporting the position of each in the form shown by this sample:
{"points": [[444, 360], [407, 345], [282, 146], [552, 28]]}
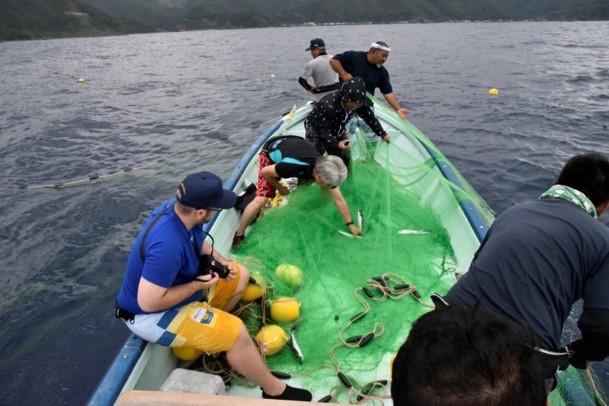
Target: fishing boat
{"points": [[357, 297]]}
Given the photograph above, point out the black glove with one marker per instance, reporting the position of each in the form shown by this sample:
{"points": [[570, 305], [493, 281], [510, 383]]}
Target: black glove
{"points": [[578, 362], [576, 359]]}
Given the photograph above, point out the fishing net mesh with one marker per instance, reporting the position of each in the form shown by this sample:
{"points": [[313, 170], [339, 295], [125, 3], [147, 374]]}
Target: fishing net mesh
{"points": [[404, 242], [403, 239]]}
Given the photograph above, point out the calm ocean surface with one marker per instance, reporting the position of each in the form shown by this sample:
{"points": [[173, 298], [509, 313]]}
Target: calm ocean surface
{"points": [[198, 99]]}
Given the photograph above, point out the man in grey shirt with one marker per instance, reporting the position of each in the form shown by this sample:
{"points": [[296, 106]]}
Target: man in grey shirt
{"points": [[318, 71]]}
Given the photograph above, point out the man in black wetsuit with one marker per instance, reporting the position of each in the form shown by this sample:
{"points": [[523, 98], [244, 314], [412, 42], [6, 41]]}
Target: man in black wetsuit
{"points": [[541, 256], [325, 124], [291, 156]]}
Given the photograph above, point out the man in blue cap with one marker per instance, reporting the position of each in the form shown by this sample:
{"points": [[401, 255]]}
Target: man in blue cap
{"points": [[318, 71], [177, 291]]}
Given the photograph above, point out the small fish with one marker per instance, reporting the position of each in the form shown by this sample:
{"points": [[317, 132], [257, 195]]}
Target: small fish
{"points": [[296, 348], [360, 219], [412, 232], [347, 234]]}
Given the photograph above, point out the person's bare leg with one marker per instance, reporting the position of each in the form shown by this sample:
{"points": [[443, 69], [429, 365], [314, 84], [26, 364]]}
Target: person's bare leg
{"points": [[244, 277], [250, 213], [246, 360]]}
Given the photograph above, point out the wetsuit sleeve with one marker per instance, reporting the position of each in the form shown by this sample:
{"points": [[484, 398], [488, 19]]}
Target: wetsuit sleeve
{"points": [[594, 344], [385, 84], [366, 113], [162, 263], [303, 82], [327, 88]]}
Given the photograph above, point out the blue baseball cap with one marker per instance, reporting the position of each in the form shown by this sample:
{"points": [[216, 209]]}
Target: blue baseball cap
{"points": [[203, 190], [316, 43]]}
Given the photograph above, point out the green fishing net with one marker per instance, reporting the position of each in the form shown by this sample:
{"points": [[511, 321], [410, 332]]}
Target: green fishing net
{"points": [[402, 237], [404, 243]]}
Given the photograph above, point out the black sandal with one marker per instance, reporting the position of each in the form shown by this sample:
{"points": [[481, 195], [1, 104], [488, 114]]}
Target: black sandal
{"points": [[237, 240]]}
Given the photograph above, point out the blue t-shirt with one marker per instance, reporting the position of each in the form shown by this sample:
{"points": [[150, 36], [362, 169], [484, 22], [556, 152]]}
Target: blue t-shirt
{"points": [[538, 258], [356, 63], [171, 257]]}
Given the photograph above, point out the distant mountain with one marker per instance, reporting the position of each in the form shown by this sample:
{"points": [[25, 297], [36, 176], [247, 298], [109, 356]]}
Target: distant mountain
{"points": [[23, 19], [29, 19], [149, 15]]}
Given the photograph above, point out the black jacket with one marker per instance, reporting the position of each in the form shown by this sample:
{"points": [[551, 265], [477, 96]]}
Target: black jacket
{"points": [[329, 115]]}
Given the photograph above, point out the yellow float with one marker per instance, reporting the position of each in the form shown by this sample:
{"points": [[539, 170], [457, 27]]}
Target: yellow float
{"points": [[289, 274], [271, 339], [285, 309], [255, 290], [186, 353], [493, 91], [252, 292]]}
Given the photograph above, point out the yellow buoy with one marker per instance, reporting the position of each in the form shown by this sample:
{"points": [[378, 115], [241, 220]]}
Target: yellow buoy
{"points": [[271, 339], [186, 353], [285, 309], [493, 91], [81, 80], [252, 292], [290, 274]]}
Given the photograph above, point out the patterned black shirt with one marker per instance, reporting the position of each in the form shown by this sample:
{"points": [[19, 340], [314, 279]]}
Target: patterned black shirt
{"points": [[330, 117]]}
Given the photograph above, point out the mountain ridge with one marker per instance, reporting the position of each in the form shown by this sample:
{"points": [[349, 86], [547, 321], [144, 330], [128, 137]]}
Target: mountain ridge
{"points": [[31, 19]]}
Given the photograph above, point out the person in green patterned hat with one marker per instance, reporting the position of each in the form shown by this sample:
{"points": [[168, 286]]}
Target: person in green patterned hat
{"points": [[541, 256]]}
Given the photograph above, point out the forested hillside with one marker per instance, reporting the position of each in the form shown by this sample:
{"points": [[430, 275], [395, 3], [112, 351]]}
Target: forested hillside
{"points": [[23, 19]]}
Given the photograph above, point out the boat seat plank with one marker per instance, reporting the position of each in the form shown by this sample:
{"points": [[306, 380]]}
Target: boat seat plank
{"points": [[154, 398]]}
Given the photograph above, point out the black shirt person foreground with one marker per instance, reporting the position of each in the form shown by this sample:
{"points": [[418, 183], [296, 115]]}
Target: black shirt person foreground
{"points": [[462, 356], [542, 256]]}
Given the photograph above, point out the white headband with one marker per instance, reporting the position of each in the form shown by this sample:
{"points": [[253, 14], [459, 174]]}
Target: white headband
{"points": [[379, 46]]}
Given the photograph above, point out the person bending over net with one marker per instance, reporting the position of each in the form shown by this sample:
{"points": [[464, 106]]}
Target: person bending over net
{"points": [[292, 156], [541, 256], [325, 124]]}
